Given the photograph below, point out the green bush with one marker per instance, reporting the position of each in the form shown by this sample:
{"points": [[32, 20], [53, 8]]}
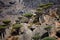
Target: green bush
{"points": [[48, 38], [28, 15], [6, 21], [15, 26]]}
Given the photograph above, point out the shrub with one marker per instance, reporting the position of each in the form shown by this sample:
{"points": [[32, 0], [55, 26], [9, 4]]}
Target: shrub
{"points": [[48, 38]]}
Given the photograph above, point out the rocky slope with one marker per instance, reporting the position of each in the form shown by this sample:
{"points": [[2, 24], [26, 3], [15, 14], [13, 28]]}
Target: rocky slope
{"points": [[16, 7], [12, 9]]}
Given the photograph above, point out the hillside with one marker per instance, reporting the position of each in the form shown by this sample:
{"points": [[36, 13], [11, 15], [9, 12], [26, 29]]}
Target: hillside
{"points": [[29, 19]]}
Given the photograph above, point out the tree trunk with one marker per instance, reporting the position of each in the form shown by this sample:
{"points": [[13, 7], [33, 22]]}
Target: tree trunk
{"points": [[2, 36], [49, 33]]}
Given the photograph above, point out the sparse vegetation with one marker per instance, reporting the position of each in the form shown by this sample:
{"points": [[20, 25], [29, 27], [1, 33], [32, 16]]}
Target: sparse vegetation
{"points": [[41, 9], [23, 23]]}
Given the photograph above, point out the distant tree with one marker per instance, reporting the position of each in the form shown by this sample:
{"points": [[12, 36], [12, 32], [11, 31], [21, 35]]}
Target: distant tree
{"points": [[16, 27], [28, 15], [48, 38], [46, 6], [7, 22], [41, 9], [2, 30]]}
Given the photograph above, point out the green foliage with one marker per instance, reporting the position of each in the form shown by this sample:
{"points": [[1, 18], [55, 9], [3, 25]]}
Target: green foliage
{"points": [[6, 21], [48, 28], [40, 10], [42, 7], [15, 26], [2, 27], [28, 15], [45, 6], [50, 4], [36, 37], [48, 38]]}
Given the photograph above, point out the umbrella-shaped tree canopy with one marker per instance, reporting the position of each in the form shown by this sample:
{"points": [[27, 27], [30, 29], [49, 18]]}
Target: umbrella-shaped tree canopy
{"points": [[16, 29], [28, 15], [15, 26], [6, 21], [2, 28]]}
